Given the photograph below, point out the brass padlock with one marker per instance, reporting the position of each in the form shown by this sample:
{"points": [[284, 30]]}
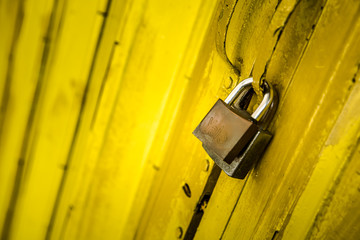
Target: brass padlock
{"points": [[232, 137]]}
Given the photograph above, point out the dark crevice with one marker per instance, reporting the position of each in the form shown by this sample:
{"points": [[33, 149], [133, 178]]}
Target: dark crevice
{"points": [[277, 32], [277, 5], [316, 19], [11, 209], [275, 235], [300, 57], [233, 209], [103, 14], [103, 84], [225, 37], [202, 203]]}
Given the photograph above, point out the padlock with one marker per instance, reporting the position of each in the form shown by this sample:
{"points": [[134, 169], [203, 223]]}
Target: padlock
{"points": [[232, 137]]}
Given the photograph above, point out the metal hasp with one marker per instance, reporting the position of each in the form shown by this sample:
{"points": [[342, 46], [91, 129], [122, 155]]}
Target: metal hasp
{"points": [[232, 137]]}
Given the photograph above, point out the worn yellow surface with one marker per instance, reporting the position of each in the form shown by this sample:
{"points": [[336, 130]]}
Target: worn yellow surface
{"points": [[314, 75], [98, 100], [336, 178], [103, 96]]}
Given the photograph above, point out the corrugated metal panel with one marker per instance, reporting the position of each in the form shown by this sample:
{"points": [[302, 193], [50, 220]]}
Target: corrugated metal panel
{"points": [[99, 100]]}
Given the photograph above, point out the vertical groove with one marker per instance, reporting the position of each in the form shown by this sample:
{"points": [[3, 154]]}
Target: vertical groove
{"points": [[22, 159], [203, 199], [232, 211], [72, 147], [225, 37], [9, 72], [102, 87], [324, 208]]}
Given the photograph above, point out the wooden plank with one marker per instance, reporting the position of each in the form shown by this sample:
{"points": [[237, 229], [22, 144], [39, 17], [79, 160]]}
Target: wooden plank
{"points": [[10, 25], [270, 193], [328, 207], [23, 29], [168, 209], [9, 18], [228, 189], [145, 64], [169, 88], [77, 217], [66, 61], [113, 149], [72, 180], [156, 149], [340, 219]]}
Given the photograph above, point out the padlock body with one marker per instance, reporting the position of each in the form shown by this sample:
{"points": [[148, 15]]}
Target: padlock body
{"points": [[242, 164], [224, 131]]}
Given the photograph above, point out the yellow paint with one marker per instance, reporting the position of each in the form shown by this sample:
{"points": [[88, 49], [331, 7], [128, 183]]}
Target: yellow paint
{"points": [[99, 99], [272, 189], [286, 167], [335, 155], [58, 68], [116, 151], [18, 82], [338, 218]]}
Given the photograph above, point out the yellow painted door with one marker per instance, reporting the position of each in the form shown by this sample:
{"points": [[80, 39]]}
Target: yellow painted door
{"points": [[99, 99]]}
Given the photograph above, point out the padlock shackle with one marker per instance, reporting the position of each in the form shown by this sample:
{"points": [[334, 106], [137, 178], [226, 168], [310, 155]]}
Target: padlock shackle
{"points": [[266, 104], [237, 90]]}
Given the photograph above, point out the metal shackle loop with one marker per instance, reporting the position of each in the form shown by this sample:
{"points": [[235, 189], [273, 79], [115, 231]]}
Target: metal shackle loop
{"points": [[267, 103], [242, 86]]}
